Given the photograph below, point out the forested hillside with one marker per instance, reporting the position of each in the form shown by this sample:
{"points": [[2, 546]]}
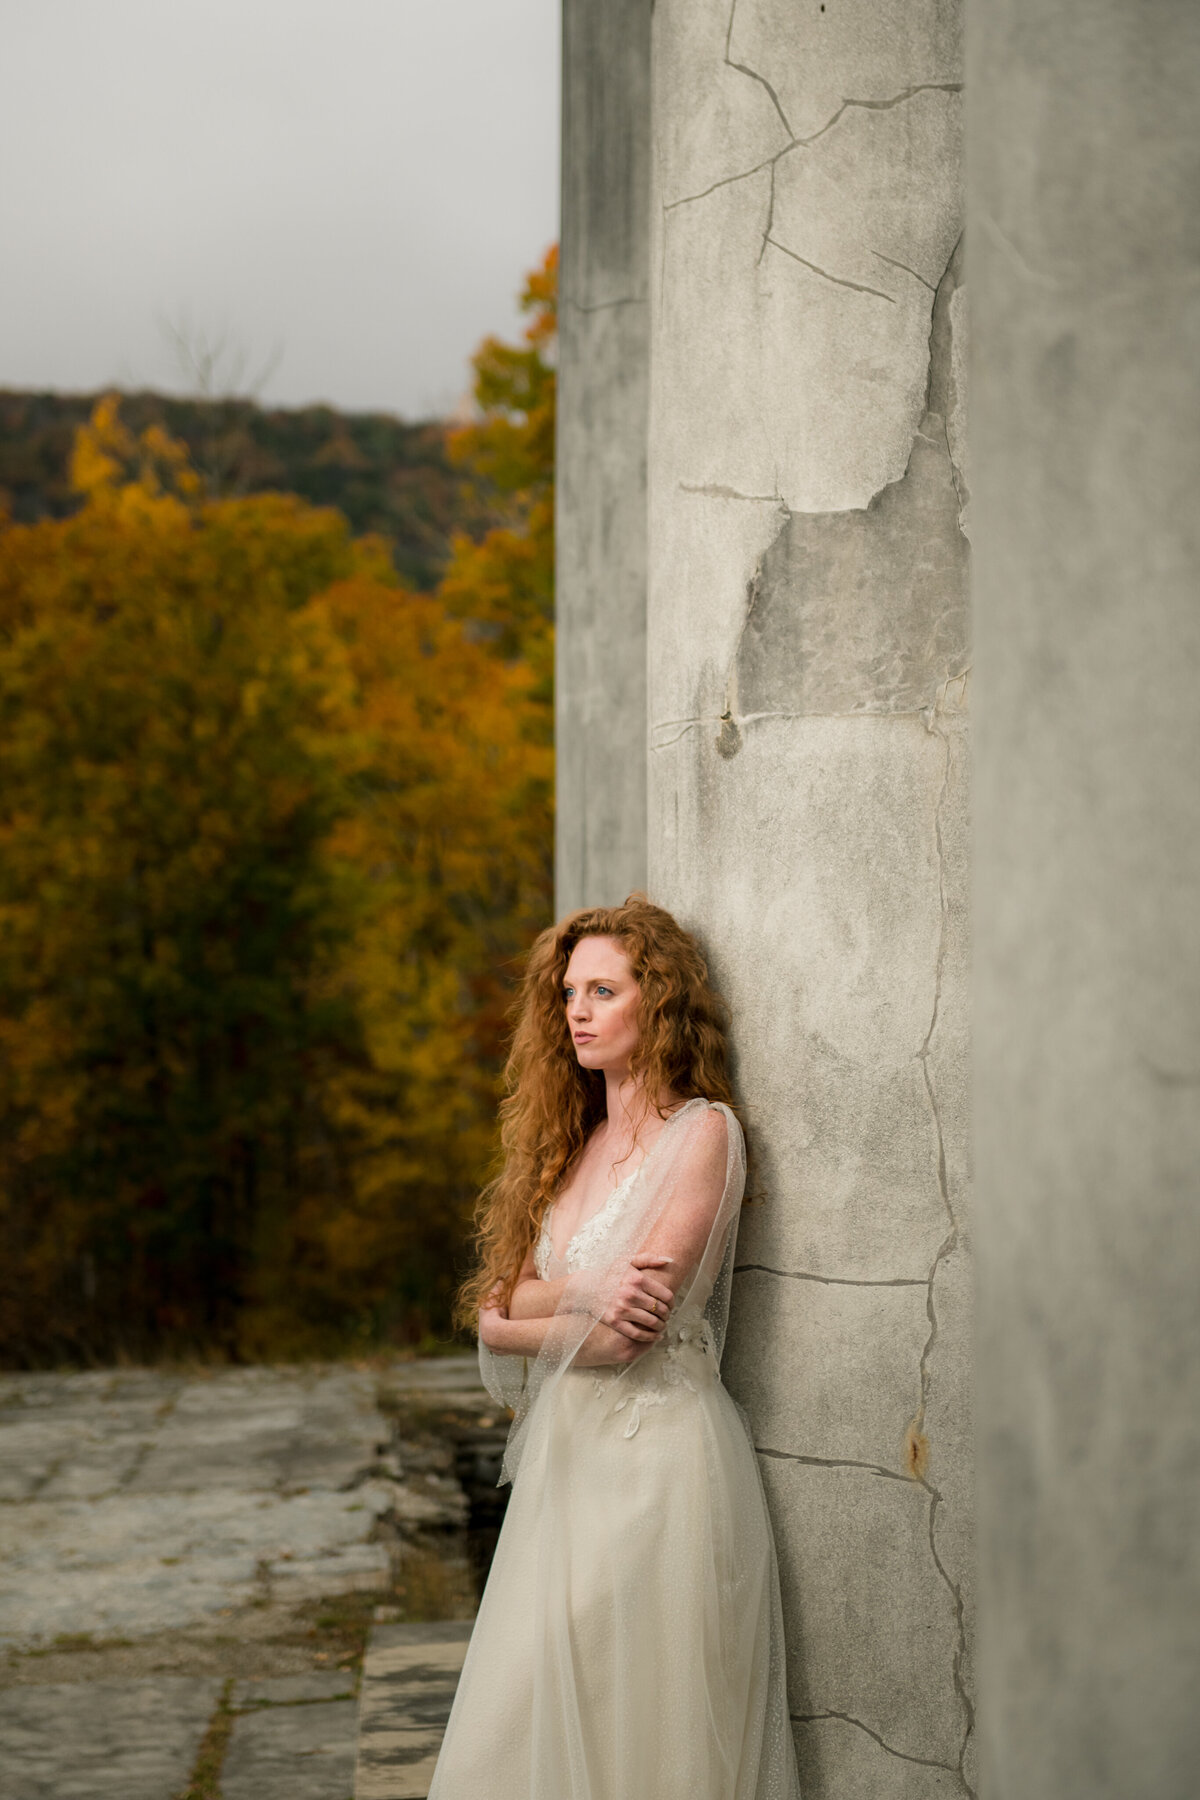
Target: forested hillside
{"points": [[386, 476], [275, 834]]}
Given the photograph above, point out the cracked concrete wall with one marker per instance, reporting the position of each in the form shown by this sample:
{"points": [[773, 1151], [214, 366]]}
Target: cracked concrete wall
{"points": [[808, 677], [600, 526], [1085, 270]]}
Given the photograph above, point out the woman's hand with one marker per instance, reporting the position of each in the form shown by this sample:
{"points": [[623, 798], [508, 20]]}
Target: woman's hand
{"points": [[642, 1304], [603, 1347]]}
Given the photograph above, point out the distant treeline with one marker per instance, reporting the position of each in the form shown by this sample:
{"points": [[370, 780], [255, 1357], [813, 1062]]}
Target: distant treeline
{"points": [[386, 476]]}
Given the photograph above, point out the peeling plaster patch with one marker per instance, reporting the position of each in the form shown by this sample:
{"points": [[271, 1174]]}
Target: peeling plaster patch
{"points": [[865, 610], [860, 611], [729, 738]]}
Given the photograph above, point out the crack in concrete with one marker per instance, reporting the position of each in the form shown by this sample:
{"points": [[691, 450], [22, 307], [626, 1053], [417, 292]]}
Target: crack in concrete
{"points": [[907, 270], [950, 1241], [715, 491], [917, 1445], [938, 402], [604, 305], [767, 228], [754, 718], [960, 1644], [926, 1762], [833, 1280], [726, 181], [839, 280], [921, 87], [830, 1462], [753, 74]]}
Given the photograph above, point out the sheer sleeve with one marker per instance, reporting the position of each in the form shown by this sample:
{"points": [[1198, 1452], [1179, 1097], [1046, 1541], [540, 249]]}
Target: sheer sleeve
{"points": [[682, 1204]]}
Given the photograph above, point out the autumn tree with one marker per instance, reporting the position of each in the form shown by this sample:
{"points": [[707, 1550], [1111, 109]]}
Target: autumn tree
{"points": [[271, 830], [504, 579]]}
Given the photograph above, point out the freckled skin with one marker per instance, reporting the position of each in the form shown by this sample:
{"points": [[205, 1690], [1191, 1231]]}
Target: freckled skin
{"points": [[601, 998]]}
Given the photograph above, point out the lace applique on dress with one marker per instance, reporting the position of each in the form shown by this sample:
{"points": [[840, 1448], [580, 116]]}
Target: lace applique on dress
{"points": [[686, 1360], [585, 1241]]}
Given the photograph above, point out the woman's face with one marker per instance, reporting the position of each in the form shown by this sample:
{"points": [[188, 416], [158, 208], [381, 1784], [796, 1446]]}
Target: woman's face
{"points": [[601, 998]]}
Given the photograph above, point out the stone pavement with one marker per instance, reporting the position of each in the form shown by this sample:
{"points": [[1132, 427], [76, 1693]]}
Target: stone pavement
{"points": [[295, 1740], [155, 1521], [103, 1740], [409, 1678], [139, 1501]]}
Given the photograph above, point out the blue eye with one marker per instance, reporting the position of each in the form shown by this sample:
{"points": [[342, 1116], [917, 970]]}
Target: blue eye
{"points": [[604, 990], [568, 993]]}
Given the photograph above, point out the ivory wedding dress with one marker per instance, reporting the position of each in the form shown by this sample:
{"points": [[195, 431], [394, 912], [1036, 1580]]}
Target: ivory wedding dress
{"points": [[629, 1641]]}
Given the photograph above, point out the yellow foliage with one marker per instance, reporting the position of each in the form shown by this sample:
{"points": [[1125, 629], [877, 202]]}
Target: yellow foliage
{"points": [[273, 833]]}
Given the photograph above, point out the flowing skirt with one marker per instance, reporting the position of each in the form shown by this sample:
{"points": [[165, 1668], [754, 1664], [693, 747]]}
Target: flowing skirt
{"points": [[629, 1641]]}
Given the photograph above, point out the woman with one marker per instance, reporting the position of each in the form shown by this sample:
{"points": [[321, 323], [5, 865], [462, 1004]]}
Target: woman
{"points": [[629, 1642]]}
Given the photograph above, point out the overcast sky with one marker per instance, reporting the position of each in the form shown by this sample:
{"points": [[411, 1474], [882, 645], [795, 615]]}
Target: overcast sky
{"points": [[358, 183]]}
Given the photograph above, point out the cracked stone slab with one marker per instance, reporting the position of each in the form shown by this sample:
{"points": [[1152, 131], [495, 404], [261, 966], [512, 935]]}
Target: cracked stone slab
{"points": [[410, 1675], [130, 1565], [283, 1690], [103, 1740], [135, 1502], [292, 1752]]}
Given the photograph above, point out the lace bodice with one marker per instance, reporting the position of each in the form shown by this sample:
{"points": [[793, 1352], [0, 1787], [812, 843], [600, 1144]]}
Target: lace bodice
{"points": [[586, 1248], [702, 1135], [684, 1359]]}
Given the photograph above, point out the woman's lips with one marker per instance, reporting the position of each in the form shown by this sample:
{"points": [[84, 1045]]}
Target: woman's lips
{"points": [[585, 1037]]}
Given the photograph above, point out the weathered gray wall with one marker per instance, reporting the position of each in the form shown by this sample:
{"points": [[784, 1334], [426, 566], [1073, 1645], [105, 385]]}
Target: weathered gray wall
{"points": [[1085, 270], [807, 811], [601, 453]]}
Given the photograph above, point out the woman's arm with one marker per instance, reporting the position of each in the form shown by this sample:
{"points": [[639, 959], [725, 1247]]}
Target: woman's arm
{"points": [[525, 1337], [631, 1312], [679, 1239], [533, 1298]]}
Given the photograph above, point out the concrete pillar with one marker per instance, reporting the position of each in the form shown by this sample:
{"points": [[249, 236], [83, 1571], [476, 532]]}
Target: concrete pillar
{"points": [[601, 453], [807, 806], [1085, 270]]}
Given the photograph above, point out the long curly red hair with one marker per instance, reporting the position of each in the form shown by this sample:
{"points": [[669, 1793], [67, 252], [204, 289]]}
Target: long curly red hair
{"points": [[553, 1105]]}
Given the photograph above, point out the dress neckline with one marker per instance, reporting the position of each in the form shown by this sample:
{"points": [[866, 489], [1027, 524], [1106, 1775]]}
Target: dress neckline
{"points": [[697, 1099]]}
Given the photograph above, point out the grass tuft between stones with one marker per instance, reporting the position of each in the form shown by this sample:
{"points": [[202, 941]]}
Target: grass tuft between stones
{"points": [[205, 1783]]}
